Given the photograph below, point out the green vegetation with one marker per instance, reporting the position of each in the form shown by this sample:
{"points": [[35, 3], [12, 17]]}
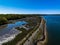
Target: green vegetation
{"points": [[39, 33], [4, 18], [20, 36]]}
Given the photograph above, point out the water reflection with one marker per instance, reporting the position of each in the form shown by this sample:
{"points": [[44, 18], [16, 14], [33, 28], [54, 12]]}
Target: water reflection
{"points": [[9, 27]]}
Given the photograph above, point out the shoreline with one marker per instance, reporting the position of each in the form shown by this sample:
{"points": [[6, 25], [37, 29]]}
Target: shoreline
{"points": [[43, 42]]}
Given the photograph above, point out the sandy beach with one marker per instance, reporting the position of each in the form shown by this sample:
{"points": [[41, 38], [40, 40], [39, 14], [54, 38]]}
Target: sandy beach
{"points": [[45, 40]]}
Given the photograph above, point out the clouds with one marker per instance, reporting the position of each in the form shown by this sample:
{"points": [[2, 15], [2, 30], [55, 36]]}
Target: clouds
{"points": [[9, 10]]}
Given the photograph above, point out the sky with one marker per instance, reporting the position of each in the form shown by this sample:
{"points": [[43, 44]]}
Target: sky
{"points": [[29, 6]]}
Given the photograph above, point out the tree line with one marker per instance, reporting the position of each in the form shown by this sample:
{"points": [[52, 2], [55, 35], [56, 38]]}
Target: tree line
{"points": [[4, 18]]}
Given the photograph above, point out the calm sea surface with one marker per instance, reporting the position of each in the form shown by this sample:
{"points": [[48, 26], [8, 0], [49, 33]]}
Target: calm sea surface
{"points": [[53, 28]]}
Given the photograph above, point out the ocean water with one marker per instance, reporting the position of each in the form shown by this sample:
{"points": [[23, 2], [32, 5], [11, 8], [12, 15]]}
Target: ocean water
{"points": [[53, 28]]}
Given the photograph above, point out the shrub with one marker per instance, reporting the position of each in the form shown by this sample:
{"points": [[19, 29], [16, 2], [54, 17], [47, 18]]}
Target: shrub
{"points": [[3, 20]]}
